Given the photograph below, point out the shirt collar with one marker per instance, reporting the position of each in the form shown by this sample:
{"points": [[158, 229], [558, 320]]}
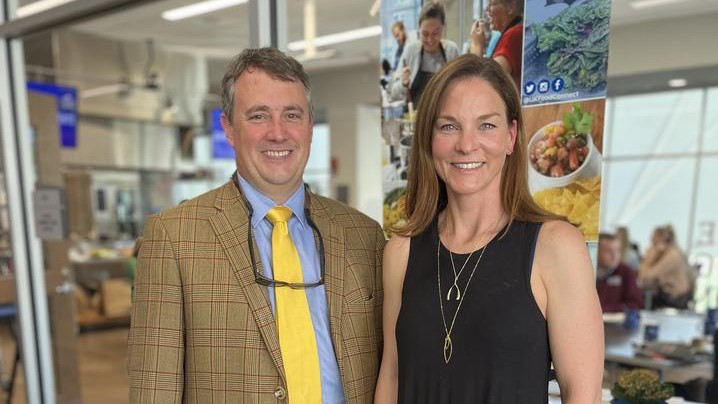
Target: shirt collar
{"points": [[261, 204]]}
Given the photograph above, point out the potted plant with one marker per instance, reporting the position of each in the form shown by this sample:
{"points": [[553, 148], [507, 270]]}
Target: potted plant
{"points": [[640, 386]]}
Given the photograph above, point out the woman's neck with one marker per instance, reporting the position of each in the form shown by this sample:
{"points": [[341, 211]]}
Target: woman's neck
{"points": [[466, 226]]}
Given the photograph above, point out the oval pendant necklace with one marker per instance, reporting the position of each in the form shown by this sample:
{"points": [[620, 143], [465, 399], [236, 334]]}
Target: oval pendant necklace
{"points": [[448, 343]]}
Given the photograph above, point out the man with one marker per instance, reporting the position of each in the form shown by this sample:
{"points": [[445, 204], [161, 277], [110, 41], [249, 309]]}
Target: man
{"points": [[259, 291], [399, 32], [615, 281]]}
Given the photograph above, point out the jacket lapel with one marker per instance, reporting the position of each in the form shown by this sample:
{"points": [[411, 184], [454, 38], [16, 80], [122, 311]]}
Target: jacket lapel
{"points": [[333, 238], [231, 225]]}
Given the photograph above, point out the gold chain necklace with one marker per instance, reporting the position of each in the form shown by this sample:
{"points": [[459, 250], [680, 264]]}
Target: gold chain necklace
{"points": [[448, 344], [456, 276]]}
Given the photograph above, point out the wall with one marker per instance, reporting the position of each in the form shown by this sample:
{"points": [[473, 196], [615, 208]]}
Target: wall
{"points": [[675, 44], [338, 92], [88, 62]]}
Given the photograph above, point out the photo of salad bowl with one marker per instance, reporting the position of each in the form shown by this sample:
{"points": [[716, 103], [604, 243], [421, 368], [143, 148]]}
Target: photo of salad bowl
{"points": [[559, 156]]}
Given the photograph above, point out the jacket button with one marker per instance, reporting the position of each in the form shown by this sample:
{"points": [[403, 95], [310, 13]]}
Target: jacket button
{"points": [[280, 393]]}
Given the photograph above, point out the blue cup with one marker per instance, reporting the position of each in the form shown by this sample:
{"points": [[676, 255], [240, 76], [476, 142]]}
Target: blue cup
{"points": [[712, 316], [650, 333], [709, 327], [633, 319]]}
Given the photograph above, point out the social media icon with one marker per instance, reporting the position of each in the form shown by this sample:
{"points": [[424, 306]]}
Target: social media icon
{"points": [[529, 87], [557, 84], [543, 86]]}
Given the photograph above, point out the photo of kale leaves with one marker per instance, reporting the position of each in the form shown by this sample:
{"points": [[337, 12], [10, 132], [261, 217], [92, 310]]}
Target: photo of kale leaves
{"points": [[576, 41]]}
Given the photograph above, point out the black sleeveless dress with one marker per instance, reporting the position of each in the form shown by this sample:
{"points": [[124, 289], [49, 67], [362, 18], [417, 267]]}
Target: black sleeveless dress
{"points": [[500, 338]]}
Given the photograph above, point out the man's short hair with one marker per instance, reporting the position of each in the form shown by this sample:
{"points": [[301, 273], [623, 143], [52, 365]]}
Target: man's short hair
{"points": [[607, 237], [270, 60], [398, 24]]}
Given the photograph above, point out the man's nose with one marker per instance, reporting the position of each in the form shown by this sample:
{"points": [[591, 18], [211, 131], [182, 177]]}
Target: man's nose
{"points": [[276, 129]]}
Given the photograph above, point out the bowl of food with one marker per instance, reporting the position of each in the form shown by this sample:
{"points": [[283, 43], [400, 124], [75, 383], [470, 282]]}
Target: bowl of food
{"points": [[560, 155]]}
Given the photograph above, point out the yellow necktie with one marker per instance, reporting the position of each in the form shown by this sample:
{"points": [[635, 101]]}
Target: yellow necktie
{"points": [[296, 334]]}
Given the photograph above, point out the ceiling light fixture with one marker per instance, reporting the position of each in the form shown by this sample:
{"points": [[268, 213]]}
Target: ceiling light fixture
{"points": [[118, 88], [339, 37], [374, 10], [38, 7], [677, 83], [310, 29], [204, 7], [640, 4]]}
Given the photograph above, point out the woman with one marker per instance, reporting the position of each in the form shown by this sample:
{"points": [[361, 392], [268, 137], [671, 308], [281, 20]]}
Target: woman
{"points": [[422, 59], [481, 283], [506, 17], [665, 271]]}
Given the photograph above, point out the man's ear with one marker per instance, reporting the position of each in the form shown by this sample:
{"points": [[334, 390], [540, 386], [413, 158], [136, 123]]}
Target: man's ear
{"points": [[228, 129]]}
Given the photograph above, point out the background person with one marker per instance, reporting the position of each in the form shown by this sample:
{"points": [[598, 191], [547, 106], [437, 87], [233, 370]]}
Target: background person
{"points": [[665, 271], [259, 290], [615, 281], [483, 289], [482, 25], [422, 59], [630, 253], [507, 17], [398, 31]]}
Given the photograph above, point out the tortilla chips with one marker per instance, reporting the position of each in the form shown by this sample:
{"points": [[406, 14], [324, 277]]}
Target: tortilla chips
{"points": [[578, 201]]}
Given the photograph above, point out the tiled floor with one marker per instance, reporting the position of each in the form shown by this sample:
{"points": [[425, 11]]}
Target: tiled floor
{"points": [[102, 357]]}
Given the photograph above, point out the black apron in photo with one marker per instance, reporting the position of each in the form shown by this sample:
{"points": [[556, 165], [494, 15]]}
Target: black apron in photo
{"points": [[422, 77]]}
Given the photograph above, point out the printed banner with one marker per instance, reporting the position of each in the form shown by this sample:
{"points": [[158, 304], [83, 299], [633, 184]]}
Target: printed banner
{"points": [[565, 142], [565, 50], [558, 54], [221, 149], [397, 121], [66, 98]]}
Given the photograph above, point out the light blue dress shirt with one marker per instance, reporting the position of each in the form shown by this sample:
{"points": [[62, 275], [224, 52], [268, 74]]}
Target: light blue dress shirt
{"points": [[303, 238]]}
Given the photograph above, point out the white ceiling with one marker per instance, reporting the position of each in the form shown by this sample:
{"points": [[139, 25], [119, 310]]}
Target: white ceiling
{"points": [[224, 33]]}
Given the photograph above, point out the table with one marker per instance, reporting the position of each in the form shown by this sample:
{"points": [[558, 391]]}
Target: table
{"points": [[673, 327], [555, 398]]}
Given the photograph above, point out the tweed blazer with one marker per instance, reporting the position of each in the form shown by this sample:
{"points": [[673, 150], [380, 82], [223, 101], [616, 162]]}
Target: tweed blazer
{"points": [[203, 330]]}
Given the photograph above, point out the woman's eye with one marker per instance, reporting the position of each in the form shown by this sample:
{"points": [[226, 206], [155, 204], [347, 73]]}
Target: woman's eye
{"points": [[487, 126], [447, 127]]}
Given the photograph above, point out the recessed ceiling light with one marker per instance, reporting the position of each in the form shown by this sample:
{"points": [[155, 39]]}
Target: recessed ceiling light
{"points": [[639, 4], [675, 83], [196, 9], [339, 37]]}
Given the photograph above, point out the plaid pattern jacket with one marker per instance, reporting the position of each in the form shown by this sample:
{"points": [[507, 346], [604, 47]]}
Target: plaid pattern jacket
{"points": [[203, 330]]}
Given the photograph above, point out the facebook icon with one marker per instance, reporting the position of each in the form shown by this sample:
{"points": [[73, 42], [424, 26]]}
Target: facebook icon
{"points": [[557, 84]]}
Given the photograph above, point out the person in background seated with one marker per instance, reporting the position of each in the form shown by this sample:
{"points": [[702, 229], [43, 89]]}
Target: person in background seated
{"points": [[615, 281], [630, 253], [665, 271]]}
